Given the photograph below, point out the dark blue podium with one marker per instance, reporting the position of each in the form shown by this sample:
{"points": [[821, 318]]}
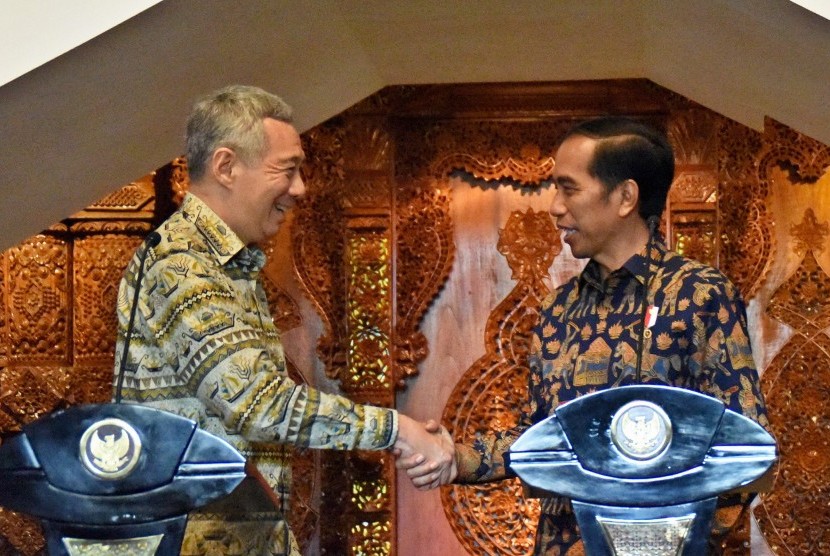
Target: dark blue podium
{"points": [[644, 466], [115, 478]]}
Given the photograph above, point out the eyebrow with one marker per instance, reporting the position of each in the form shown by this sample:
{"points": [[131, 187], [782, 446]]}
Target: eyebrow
{"points": [[564, 180], [294, 160]]}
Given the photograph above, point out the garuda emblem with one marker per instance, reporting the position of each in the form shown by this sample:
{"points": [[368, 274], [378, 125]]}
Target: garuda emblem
{"points": [[110, 448], [641, 430]]}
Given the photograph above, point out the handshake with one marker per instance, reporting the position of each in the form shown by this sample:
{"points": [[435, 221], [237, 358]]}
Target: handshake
{"points": [[426, 452]]}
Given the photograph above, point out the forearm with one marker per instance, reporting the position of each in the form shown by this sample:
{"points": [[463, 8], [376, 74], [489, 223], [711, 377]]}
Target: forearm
{"points": [[268, 406], [483, 460]]}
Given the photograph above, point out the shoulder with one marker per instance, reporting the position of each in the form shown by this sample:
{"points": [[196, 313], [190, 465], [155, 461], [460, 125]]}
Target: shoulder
{"points": [[702, 280], [560, 295], [182, 260], [180, 241]]}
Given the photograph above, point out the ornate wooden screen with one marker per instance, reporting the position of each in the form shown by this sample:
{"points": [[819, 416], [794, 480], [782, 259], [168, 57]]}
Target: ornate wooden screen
{"points": [[794, 173], [374, 247], [58, 320]]}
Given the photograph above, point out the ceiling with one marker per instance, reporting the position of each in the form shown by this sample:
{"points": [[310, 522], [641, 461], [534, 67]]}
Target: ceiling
{"points": [[112, 109]]}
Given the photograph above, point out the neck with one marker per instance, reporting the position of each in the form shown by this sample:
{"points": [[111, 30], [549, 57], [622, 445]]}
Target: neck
{"points": [[217, 199], [630, 240]]}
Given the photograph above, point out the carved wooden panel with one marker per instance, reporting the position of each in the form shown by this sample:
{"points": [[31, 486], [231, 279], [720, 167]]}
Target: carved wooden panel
{"points": [[494, 388], [692, 211], [794, 517], [342, 244], [98, 265], [424, 258], [368, 307], [747, 244], [372, 246], [58, 321], [318, 241], [37, 282], [20, 534]]}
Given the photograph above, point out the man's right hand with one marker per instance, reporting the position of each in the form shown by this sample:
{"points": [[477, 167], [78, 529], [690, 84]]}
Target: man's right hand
{"points": [[426, 452]]}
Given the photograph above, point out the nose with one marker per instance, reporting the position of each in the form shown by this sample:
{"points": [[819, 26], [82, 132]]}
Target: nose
{"points": [[557, 206], [297, 189]]}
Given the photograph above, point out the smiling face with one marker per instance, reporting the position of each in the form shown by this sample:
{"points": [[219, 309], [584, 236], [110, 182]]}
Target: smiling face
{"points": [[590, 217], [265, 190]]}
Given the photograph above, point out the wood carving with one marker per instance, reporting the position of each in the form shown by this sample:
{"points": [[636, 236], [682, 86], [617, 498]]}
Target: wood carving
{"points": [[343, 256], [425, 254], [372, 246], [794, 517], [39, 295], [748, 248], [284, 308], [318, 241], [99, 263], [693, 228], [491, 392]]}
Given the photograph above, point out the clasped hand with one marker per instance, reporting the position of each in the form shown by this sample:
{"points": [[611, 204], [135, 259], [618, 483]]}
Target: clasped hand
{"points": [[426, 452]]}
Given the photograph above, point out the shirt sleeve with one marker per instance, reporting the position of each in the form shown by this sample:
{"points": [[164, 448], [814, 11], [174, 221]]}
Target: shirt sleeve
{"points": [[484, 459], [726, 368], [236, 369], [728, 372]]}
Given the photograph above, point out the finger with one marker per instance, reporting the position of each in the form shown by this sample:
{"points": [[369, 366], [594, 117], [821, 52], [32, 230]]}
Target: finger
{"points": [[432, 426], [422, 470], [410, 461], [424, 482]]}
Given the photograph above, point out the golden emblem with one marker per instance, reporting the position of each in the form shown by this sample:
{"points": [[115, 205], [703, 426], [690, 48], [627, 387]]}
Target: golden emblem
{"points": [[641, 430], [110, 448]]}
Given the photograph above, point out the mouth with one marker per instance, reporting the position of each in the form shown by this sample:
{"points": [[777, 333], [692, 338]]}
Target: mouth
{"points": [[566, 232]]}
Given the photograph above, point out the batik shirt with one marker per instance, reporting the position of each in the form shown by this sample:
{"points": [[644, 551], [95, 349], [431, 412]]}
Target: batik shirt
{"points": [[204, 346], [587, 340]]}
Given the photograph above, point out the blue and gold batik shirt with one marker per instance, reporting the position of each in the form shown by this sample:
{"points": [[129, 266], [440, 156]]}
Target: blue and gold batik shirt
{"points": [[587, 339]]}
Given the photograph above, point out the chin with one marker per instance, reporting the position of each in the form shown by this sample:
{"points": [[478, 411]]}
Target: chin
{"points": [[575, 250]]}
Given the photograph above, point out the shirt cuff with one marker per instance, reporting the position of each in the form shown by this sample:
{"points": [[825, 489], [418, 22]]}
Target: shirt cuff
{"points": [[468, 463], [380, 428]]}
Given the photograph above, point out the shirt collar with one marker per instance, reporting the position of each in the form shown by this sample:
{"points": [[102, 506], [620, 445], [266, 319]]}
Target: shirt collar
{"points": [[634, 267], [225, 245]]}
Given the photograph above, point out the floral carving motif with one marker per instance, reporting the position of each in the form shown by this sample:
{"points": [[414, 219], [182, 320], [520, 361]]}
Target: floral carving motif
{"points": [[38, 288], [318, 240], [425, 255], [794, 517], [490, 393], [99, 264], [748, 247], [805, 159]]}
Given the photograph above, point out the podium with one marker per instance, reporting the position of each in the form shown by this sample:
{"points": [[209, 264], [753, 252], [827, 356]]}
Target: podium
{"points": [[115, 478], [643, 466]]}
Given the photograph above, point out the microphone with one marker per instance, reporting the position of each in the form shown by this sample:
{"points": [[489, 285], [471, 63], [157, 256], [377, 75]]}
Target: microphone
{"points": [[653, 221], [151, 241]]}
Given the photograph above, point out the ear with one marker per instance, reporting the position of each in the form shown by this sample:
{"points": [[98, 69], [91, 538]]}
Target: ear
{"points": [[222, 165], [629, 197]]}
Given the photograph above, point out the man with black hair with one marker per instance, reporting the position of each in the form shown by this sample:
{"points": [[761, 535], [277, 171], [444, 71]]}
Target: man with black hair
{"points": [[612, 178]]}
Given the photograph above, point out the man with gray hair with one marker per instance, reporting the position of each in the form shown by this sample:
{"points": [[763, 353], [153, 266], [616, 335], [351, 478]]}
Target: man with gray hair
{"points": [[204, 344]]}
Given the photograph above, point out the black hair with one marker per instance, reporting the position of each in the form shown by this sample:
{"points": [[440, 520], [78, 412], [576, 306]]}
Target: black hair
{"points": [[628, 149]]}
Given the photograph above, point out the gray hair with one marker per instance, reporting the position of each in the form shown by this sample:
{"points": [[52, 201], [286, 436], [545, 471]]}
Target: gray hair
{"points": [[231, 117]]}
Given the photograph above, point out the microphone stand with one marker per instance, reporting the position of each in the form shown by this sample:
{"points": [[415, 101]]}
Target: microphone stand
{"points": [[652, 222], [152, 240]]}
